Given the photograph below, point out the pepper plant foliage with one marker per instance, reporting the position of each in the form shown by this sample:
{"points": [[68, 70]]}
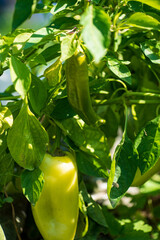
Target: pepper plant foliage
{"points": [[121, 41]]}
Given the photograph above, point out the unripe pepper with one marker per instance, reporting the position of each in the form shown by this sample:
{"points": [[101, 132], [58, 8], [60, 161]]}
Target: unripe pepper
{"points": [[78, 87], [56, 211], [140, 179]]}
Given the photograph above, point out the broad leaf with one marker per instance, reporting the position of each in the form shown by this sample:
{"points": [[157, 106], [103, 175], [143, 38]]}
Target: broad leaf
{"points": [[6, 119], [20, 41], [4, 48], [96, 31], [23, 10], [125, 169], [152, 3], [32, 183], [37, 94], [27, 140], [147, 144], [20, 75], [142, 20], [119, 69]]}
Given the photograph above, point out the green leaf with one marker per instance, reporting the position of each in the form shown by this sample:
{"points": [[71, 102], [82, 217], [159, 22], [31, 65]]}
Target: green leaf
{"points": [[37, 94], [32, 183], [51, 52], [90, 165], [6, 119], [134, 230], [119, 69], [23, 10], [152, 3], [147, 144], [152, 50], [96, 31], [2, 236], [62, 110], [62, 5], [38, 36], [4, 48], [20, 41], [125, 169], [27, 140], [94, 210], [142, 20], [20, 75], [6, 168], [88, 138], [68, 46]]}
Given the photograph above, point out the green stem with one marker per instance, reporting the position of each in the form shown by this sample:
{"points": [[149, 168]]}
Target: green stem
{"points": [[146, 94], [9, 98]]}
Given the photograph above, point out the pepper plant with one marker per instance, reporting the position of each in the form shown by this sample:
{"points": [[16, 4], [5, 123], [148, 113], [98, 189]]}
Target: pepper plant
{"points": [[89, 76]]}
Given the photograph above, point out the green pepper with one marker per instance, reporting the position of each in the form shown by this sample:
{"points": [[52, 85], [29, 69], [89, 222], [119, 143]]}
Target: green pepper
{"points": [[56, 211], [140, 179], [78, 87]]}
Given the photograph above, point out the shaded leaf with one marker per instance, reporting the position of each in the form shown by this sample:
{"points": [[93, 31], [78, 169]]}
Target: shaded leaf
{"points": [[147, 144], [37, 94], [152, 50], [32, 183], [23, 10], [125, 169]]}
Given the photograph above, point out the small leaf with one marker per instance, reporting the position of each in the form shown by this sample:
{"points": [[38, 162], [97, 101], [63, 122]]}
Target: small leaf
{"points": [[37, 94], [23, 10], [32, 183], [142, 20], [20, 75], [119, 69], [53, 73], [6, 119], [27, 140], [147, 145], [62, 5], [68, 46], [96, 31], [152, 3], [150, 50]]}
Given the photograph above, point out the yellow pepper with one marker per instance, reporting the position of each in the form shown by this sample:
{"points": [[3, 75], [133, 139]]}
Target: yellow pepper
{"points": [[56, 211]]}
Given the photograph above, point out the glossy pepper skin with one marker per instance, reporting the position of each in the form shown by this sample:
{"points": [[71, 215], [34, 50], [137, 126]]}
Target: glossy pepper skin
{"points": [[56, 211], [78, 87], [140, 179]]}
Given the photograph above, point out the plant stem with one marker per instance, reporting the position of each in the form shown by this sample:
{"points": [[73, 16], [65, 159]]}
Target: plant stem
{"points": [[9, 98]]}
